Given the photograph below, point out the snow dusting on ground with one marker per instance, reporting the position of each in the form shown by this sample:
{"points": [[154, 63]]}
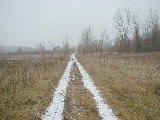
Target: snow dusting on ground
{"points": [[104, 110], [55, 110]]}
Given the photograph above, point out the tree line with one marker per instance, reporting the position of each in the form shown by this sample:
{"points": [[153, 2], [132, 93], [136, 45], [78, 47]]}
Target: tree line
{"points": [[41, 48], [134, 33]]}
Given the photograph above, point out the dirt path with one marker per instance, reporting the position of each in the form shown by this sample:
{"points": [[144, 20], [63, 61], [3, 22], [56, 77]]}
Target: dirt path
{"points": [[79, 103], [77, 98], [55, 109]]}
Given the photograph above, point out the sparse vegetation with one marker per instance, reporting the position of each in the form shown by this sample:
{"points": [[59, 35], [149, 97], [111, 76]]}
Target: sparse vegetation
{"points": [[117, 42], [26, 85], [129, 82]]}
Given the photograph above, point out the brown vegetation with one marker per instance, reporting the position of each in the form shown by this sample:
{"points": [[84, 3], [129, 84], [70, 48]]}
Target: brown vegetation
{"points": [[130, 83], [26, 85]]}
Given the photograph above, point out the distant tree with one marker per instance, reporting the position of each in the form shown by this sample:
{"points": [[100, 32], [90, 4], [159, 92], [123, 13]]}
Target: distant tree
{"points": [[41, 49], [136, 32], [154, 23], [66, 46], [19, 50], [1, 49], [151, 32], [87, 37], [103, 39], [123, 26], [72, 49], [96, 45], [80, 48]]}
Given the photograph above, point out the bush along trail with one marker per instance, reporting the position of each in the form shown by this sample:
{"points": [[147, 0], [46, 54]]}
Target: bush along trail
{"points": [[77, 98]]}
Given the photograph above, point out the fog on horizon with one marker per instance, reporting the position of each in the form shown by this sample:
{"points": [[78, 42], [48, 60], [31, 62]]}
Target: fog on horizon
{"points": [[29, 22]]}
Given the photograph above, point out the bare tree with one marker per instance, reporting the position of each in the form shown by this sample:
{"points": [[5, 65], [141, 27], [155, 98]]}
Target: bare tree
{"points": [[123, 26], [103, 39], [41, 49], [66, 46], [1, 49], [151, 32], [86, 39], [19, 50], [154, 25], [136, 33], [95, 45], [80, 48]]}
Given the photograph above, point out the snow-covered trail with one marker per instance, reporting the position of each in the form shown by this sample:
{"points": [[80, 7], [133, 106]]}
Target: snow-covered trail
{"points": [[105, 112], [55, 110]]}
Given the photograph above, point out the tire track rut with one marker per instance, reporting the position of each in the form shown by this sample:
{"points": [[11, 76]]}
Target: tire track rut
{"points": [[77, 98], [79, 103]]}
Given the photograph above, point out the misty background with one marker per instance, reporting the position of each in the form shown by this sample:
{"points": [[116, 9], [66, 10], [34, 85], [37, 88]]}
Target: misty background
{"points": [[29, 22]]}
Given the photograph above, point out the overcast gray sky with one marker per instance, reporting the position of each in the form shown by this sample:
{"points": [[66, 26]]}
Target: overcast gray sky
{"points": [[28, 22]]}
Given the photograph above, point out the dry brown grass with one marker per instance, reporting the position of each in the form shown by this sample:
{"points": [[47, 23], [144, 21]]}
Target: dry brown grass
{"points": [[79, 103], [130, 83], [26, 85]]}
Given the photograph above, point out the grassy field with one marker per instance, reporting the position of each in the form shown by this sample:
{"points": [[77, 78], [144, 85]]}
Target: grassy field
{"points": [[130, 83], [26, 84]]}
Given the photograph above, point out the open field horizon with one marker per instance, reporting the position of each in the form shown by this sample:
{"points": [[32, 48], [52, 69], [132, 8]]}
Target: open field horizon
{"points": [[129, 83], [80, 59]]}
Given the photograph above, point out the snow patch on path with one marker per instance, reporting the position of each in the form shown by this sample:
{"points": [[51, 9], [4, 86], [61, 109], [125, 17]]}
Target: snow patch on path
{"points": [[105, 112], [55, 109]]}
